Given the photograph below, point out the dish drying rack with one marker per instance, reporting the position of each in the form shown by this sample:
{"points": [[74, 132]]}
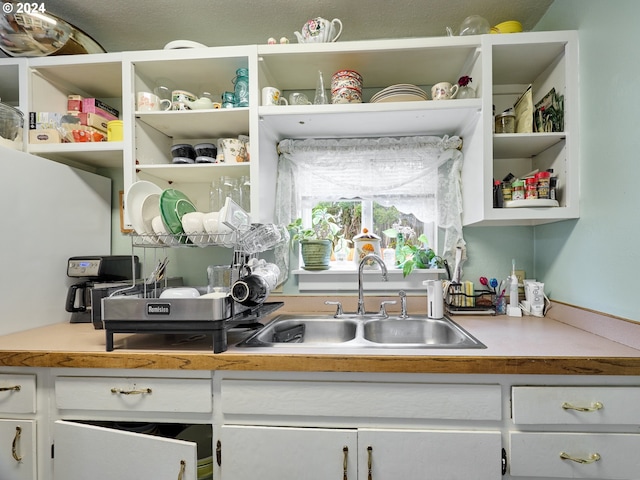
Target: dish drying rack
{"points": [[459, 302], [134, 309]]}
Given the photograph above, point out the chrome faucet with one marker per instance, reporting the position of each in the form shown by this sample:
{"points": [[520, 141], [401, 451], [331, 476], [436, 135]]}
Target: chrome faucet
{"points": [[365, 259]]}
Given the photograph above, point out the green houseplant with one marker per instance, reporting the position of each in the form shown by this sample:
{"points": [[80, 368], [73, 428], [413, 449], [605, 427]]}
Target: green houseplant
{"points": [[410, 256], [316, 243]]}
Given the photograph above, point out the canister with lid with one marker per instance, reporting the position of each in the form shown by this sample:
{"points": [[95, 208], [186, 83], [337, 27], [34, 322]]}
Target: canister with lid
{"points": [[506, 122]]}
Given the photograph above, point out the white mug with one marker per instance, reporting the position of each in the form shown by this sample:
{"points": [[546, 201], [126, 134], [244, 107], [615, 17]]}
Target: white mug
{"points": [[271, 96], [150, 102], [444, 91], [297, 98]]}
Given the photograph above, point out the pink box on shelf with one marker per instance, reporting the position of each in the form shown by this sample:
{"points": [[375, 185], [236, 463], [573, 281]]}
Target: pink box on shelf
{"points": [[93, 105]]}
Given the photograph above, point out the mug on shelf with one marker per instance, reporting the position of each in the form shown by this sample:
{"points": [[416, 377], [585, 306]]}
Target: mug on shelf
{"points": [[444, 91], [272, 96], [114, 131], [150, 102], [298, 98]]}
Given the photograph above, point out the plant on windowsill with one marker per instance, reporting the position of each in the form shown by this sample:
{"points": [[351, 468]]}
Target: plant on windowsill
{"points": [[316, 243], [410, 256]]}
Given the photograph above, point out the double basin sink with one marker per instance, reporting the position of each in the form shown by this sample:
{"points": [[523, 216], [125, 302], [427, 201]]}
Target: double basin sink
{"points": [[368, 331]]}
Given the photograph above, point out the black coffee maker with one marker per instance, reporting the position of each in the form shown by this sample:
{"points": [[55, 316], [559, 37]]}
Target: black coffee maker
{"points": [[100, 274]]}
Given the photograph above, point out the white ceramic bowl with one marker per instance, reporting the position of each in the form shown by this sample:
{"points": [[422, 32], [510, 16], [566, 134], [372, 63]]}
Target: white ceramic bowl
{"points": [[192, 224], [159, 229], [210, 223], [180, 292]]}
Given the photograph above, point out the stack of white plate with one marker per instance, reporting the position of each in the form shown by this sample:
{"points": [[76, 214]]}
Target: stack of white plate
{"points": [[403, 92]]}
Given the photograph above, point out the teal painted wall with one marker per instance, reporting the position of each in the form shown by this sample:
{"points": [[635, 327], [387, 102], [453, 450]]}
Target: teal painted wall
{"points": [[591, 262]]}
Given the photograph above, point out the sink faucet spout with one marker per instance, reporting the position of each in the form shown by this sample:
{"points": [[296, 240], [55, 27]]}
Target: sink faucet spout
{"points": [[363, 262]]}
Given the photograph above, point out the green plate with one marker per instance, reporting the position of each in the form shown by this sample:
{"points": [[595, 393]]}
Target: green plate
{"points": [[173, 205]]}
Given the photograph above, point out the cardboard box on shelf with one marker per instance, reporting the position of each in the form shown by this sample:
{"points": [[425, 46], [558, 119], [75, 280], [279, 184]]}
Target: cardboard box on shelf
{"points": [[44, 120], [93, 105], [48, 135], [92, 120], [74, 103]]}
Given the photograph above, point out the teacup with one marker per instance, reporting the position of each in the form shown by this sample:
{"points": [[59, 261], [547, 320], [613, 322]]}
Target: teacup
{"points": [[179, 99], [272, 96], [150, 102], [297, 98], [444, 91]]}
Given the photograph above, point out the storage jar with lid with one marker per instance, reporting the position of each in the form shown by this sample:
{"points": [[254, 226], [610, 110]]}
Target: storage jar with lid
{"points": [[506, 122]]}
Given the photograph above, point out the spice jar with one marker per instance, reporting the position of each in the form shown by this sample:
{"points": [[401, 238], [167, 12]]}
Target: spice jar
{"points": [[531, 188], [543, 180], [506, 122], [517, 192], [506, 191]]}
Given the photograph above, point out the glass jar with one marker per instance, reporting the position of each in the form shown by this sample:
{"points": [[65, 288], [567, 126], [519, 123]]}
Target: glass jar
{"points": [[228, 100], [241, 89], [517, 192], [543, 179], [506, 123], [531, 188], [506, 191]]}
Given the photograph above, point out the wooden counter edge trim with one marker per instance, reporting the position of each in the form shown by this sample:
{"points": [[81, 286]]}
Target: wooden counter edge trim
{"points": [[327, 363]]}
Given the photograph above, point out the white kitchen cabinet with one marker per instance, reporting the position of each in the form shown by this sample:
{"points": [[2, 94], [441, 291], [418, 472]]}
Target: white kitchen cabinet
{"points": [[273, 418], [52, 79], [273, 453], [555, 437], [18, 446], [194, 70], [97, 422]]}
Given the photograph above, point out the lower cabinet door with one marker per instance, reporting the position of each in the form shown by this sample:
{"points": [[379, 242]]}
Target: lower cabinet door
{"points": [[84, 452], [281, 453], [605, 456], [420, 454], [18, 450]]}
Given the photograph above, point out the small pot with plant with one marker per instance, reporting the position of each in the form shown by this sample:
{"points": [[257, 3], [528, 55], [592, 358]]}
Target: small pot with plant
{"points": [[316, 243], [414, 254]]}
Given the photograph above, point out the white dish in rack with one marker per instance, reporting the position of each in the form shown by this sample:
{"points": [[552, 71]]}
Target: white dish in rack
{"points": [[134, 200]]}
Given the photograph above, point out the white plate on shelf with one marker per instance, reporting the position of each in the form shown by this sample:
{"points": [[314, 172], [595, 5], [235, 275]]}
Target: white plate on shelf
{"points": [[134, 200]]}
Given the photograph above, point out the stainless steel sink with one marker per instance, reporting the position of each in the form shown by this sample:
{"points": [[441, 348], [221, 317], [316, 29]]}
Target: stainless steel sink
{"points": [[355, 331]]}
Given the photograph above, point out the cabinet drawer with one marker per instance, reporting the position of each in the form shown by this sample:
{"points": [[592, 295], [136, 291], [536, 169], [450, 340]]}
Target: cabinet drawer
{"points": [[538, 455], [361, 399], [134, 394], [575, 405], [17, 393]]}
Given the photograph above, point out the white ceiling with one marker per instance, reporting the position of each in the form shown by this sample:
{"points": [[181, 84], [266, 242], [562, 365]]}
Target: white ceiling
{"points": [[120, 25]]}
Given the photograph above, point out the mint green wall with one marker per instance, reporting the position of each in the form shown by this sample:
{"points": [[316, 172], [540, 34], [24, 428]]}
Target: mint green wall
{"points": [[591, 262]]}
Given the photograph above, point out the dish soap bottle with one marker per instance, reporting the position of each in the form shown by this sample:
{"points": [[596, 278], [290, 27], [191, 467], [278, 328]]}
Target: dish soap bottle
{"points": [[513, 310]]}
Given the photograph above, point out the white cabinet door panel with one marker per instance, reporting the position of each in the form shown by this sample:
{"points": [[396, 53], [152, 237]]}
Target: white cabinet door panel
{"points": [[278, 453], [538, 455], [88, 452], [420, 454], [18, 437]]}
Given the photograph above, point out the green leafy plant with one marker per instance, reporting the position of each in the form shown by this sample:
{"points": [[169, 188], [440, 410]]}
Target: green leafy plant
{"points": [[412, 256], [324, 226]]}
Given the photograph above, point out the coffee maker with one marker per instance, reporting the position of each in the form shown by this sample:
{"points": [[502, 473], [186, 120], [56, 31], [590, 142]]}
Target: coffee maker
{"points": [[101, 274]]}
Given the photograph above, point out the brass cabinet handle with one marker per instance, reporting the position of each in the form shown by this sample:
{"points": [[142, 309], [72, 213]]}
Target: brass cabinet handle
{"points": [[345, 454], [369, 461], [15, 388], [14, 445], [594, 407], [183, 466], [141, 391], [594, 457], [219, 453]]}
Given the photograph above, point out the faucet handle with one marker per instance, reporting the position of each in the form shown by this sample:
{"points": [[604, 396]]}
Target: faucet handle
{"points": [[383, 307], [339, 311]]}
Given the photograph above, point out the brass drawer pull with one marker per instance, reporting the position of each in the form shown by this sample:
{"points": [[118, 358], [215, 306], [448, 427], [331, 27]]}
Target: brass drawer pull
{"points": [[141, 391], [14, 445], [183, 466], [594, 457], [345, 454], [15, 388], [369, 461], [594, 407]]}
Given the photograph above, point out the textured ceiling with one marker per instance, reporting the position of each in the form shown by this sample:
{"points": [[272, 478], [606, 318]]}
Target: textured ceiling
{"points": [[120, 25]]}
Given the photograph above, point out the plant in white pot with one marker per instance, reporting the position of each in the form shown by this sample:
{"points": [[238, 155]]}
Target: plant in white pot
{"points": [[316, 243]]}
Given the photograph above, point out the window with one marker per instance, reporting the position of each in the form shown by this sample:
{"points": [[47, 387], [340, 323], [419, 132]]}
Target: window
{"points": [[376, 181]]}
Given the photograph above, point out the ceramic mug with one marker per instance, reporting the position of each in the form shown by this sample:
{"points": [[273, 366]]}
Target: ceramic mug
{"points": [[178, 98], [271, 96], [297, 98], [444, 91], [150, 102], [114, 131], [233, 150]]}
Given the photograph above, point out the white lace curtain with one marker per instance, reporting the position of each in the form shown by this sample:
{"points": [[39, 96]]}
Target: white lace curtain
{"points": [[419, 175]]}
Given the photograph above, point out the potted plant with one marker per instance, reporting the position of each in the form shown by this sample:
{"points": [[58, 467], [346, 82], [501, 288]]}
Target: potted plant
{"points": [[316, 243], [412, 255]]}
